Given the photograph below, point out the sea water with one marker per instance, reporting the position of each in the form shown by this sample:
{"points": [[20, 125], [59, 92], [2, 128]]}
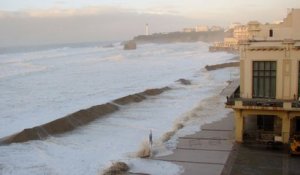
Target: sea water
{"points": [[40, 86]]}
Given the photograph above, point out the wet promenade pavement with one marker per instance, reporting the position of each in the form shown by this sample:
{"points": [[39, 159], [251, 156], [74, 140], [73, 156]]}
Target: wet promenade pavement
{"points": [[206, 151], [257, 159]]}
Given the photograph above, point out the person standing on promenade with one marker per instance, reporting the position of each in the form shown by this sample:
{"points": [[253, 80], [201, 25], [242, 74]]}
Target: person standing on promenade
{"points": [[150, 142]]}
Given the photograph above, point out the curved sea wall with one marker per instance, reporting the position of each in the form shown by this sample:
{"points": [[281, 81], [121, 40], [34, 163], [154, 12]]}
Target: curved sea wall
{"points": [[221, 66], [78, 119]]}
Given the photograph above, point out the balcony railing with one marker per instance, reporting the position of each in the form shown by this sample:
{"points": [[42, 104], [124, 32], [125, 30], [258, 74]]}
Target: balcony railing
{"points": [[296, 104], [259, 102], [256, 102], [253, 101], [262, 102]]}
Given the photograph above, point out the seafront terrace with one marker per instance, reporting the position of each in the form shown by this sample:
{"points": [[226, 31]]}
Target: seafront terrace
{"points": [[237, 102]]}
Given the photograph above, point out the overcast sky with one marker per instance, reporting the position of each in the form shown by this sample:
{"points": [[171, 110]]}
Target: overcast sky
{"points": [[34, 22]]}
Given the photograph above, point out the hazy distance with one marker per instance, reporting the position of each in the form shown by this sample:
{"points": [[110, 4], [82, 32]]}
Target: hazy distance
{"points": [[49, 22]]}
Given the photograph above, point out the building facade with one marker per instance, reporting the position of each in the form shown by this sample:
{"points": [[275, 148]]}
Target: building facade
{"points": [[201, 28], [266, 105], [187, 30], [216, 28], [240, 33]]}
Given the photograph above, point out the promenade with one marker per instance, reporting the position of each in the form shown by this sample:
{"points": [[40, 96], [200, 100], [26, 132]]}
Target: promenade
{"points": [[206, 151]]}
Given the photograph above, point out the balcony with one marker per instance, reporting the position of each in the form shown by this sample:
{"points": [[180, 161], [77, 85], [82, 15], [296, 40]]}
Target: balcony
{"points": [[235, 101], [263, 102], [296, 104], [256, 102]]}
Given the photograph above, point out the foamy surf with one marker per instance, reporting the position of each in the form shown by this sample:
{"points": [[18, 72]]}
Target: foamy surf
{"points": [[78, 119], [89, 150]]}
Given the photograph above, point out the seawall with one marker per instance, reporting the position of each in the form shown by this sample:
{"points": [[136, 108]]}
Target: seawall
{"points": [[221, 66], [78, 119]]}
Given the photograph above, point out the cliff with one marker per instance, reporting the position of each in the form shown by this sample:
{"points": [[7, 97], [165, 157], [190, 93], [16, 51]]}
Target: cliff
{"points": [[210, 36]]}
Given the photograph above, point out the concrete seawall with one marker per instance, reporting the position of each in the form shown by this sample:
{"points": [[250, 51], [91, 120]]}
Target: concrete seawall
{"points": [[221, 66], [78, 119]]}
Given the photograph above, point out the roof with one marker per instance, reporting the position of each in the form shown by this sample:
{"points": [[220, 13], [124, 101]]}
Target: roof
{"points": [[234, 84]]}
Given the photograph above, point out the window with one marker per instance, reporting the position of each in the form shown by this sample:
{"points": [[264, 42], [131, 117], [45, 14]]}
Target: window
{"points": [[264, 79], [271, 33]]}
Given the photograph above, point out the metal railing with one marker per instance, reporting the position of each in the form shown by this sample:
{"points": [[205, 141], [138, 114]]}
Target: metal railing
{"points": [[262, 102], [296, 104]]}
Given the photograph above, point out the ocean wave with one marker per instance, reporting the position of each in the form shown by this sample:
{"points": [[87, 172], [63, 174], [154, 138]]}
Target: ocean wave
{"points": [[19, 68], [78, 119]]}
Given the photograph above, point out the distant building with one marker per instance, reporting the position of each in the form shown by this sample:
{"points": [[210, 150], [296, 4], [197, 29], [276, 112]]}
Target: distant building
{"points": [[201, 28], [216, 28], [230, 42], [189, 29], [233, 25], [266, 105], [240, 33]]}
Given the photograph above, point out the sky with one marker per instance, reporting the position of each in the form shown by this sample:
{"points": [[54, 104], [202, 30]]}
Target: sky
{"points": [[38, 22]]}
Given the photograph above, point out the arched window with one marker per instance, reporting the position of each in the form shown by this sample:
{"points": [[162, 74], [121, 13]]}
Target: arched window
{"points": [[271, 33]]}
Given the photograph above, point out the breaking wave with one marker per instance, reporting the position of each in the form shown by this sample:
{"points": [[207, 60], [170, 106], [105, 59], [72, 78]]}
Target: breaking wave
{"points": [[78, 119]]}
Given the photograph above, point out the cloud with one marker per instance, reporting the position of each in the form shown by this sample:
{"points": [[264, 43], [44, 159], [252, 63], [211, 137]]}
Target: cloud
{"points": [[59, 11], [52, 26], [64, 12]]}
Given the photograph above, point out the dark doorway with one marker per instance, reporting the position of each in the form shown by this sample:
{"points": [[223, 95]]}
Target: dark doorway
{"points": [[297, 129], [266, 122]]}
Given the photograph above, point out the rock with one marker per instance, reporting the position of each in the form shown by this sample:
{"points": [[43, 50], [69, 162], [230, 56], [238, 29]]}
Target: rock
{"points": [[117, 168], [130, 45], [184, 81]]}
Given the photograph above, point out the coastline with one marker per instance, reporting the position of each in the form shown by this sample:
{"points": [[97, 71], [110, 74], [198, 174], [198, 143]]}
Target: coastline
{"points": [[85, 116], [215, 124], [137, 98], [206, 151], [209, 36], [77, 119]]}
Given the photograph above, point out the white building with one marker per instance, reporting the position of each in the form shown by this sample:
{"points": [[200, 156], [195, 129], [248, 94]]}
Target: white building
{"points": [[201, 28]]}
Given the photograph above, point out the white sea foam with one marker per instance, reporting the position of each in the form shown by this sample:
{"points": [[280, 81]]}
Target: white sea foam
{"points": [[70, 84]]}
